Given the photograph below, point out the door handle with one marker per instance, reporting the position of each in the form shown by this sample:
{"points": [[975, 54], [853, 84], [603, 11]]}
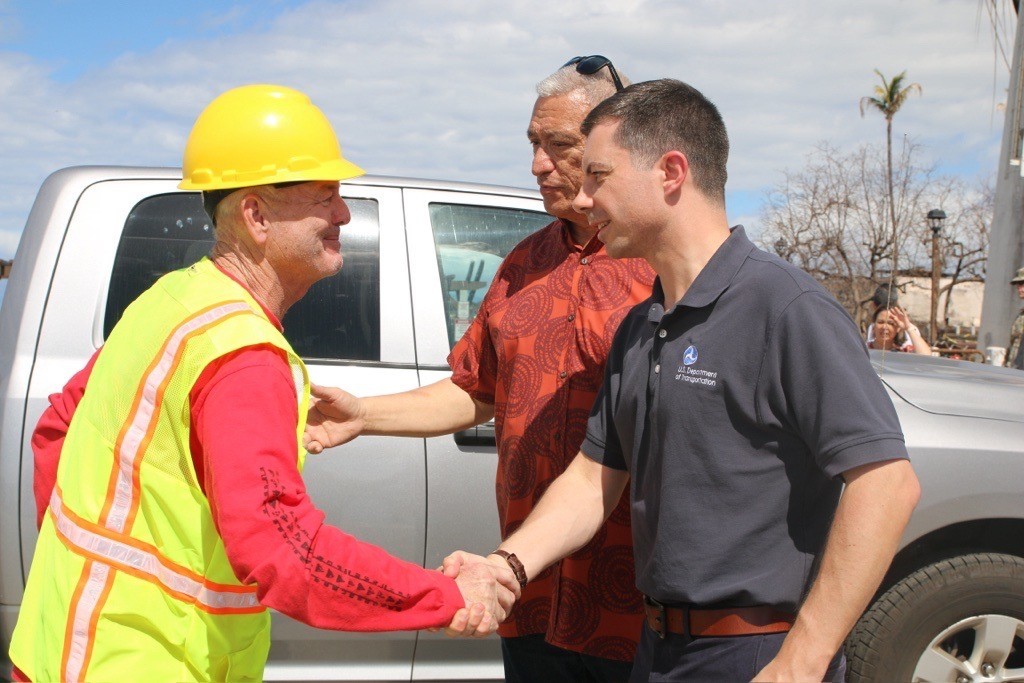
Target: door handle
{"points": [[481, 435]]}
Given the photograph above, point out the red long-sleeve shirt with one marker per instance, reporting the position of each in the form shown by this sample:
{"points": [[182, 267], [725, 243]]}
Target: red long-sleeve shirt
{"points": [[243, 411]]}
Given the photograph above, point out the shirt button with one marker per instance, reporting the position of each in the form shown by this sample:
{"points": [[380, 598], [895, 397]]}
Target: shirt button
{"points": [[657, 369], [572, 316], [584, 260], [563, 374], [662, 333]]}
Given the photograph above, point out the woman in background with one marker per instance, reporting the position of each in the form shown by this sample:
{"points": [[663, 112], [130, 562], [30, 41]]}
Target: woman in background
{"points": [[893, 331]]}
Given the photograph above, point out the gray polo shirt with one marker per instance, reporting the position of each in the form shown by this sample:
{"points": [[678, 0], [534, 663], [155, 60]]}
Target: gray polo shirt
{"points": [[735, 412]]}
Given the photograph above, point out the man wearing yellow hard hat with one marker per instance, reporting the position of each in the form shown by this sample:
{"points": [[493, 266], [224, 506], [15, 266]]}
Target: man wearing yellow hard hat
{"points": [[177, 514]]}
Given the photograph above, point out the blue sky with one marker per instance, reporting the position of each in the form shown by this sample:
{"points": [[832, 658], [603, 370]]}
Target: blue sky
{"points": [[72, 36], [443, 88]]}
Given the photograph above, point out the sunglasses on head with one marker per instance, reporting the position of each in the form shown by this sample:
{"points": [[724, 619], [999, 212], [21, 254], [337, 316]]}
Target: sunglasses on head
{"points": [[589, 65]]}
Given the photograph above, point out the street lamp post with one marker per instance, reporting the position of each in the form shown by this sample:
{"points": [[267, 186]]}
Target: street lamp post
{"points": [[935, 219]]}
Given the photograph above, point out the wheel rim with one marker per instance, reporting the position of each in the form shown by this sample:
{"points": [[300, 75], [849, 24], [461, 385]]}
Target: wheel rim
{"points": [[983, 649]]}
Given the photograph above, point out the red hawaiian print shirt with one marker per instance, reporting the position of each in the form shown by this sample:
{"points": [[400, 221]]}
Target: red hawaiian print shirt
{"points": [[537, 351]]}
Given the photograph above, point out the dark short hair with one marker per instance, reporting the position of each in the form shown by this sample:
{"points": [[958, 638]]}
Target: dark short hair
{"points": [[656, 117]]}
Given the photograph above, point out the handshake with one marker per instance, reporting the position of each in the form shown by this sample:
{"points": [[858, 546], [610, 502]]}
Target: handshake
{"points": [[489, 588]]}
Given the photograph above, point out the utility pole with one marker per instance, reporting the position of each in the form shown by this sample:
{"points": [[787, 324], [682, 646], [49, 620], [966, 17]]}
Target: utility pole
{"points": [[1006, 239], [935, 219]]}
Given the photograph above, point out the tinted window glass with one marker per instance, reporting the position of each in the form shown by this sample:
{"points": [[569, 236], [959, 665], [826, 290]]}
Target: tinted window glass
{"points": [[471, 242], [162, 233], [339, 318]]}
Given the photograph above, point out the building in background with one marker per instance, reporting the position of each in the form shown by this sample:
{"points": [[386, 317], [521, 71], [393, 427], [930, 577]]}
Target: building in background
{"points": [[964, 313]]}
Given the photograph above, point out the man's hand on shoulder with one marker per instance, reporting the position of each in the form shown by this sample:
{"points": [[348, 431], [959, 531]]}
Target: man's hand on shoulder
{"points": [[335, 417]]}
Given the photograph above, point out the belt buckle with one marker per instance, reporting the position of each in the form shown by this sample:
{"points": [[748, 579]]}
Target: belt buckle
{"points": [[661, 619]]}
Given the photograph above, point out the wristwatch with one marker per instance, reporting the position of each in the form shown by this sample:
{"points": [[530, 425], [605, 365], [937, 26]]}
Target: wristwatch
{"points": [[515, 564]]}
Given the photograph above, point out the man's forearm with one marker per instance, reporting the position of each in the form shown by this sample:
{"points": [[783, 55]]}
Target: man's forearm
{"points": [[433, 410], [869, 521], [568, 515]]}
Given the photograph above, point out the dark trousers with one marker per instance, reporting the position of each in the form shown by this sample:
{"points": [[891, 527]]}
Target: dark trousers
{"points": [[529, 659], [720, 660]]}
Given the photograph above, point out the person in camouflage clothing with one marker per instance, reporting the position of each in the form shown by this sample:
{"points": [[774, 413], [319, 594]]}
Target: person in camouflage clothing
{"points": [[1015, 355]]}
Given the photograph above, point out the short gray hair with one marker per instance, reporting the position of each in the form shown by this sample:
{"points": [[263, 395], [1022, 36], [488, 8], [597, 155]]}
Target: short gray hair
{"points": [[593, 88], [220, 204]]}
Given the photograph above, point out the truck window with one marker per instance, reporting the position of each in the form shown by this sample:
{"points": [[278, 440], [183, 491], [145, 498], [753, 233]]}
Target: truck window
{"points": [[471, 242], [338, 319]]}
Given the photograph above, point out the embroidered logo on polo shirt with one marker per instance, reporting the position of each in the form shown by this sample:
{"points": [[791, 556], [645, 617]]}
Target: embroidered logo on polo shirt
{"points": [[687, 373], [690, 355]]}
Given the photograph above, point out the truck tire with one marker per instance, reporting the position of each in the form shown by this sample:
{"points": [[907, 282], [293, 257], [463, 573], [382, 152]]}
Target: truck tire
{"points": [[958, 620]]}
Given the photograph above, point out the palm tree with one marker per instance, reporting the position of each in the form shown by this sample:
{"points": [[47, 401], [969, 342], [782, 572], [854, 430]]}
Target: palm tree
{"points": [[888, 99]]}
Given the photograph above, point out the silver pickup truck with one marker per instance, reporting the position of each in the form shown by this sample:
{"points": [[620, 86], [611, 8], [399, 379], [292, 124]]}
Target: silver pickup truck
{"points": [[419, 257]]}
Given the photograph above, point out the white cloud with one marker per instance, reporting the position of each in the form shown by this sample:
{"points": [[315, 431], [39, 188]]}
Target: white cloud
{"points": [[444, 89]]}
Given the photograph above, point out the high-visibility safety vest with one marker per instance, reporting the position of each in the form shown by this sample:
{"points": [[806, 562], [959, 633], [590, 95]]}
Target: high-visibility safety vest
{"points": [[130, 580]]}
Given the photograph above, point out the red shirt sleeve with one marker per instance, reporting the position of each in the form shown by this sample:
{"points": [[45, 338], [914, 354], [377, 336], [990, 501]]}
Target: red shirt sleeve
{"points": [[244, 422], [473, 359], [48, 437]]}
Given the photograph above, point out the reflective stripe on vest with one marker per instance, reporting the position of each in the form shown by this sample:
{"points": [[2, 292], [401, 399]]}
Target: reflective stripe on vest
{"points": [[144, 561], [122, 499], [143, 421]]}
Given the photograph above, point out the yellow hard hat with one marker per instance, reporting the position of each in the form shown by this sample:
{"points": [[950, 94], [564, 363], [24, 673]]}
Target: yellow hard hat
{"points": [[262, 135]]}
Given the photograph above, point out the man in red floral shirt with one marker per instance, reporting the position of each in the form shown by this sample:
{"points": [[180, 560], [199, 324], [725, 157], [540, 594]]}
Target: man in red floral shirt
{"points": [[533, 359]]}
